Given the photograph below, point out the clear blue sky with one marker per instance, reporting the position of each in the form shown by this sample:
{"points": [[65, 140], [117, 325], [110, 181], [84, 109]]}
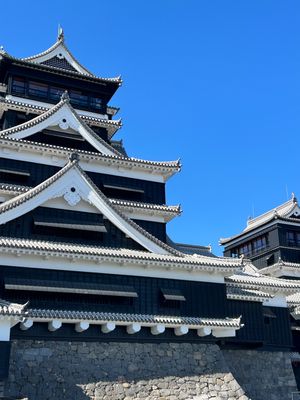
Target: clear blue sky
{"points": [[215, 83]]}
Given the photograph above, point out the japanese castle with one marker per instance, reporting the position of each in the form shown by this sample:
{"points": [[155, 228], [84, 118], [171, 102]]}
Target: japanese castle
{"points": [[85, 254]]}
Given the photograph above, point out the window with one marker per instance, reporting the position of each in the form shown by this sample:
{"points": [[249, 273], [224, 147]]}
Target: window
{"points": [[254, 246], [245, 249], [55, 93], [259, 244], [77, 98], [37, 89], [96, 103], [18, 86], [293, 238]]}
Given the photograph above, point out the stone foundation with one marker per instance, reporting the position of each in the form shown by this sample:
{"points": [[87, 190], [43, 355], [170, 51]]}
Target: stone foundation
{"points": [[263, 375], [167, 371]]}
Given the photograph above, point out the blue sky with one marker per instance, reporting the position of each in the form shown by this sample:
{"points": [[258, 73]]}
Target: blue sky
{"points": [[214, 83]]}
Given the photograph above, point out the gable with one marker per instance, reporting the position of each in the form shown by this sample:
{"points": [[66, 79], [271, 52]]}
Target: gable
{"points": [[68, 226], [64, 120], [74, 186], [59, 56]]}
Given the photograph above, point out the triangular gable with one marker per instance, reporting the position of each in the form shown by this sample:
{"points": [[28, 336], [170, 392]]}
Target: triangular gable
{"points": [[59, 56], [65, 117], [74, 185]]}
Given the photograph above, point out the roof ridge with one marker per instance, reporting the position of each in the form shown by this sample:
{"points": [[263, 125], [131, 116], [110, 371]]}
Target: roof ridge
{"points": [[117, 79], [164, 207], [59, 42], [50, 112], [166, 164], [23, 197], [273, 210], [73, 248], [128, 220]]}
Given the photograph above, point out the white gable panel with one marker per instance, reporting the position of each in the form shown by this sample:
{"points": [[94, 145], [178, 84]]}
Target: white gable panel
{"points": [[65, 118], [74, 187]]}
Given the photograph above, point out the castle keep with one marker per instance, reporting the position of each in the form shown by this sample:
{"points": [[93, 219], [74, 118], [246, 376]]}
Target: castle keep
{"points": [[96, 301]]}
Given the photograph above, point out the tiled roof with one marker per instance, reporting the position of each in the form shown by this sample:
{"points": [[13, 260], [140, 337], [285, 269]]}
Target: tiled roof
{"points": [[88, 76], [111, 125], [280, 212], [11, 309], [260, 281], [293, 299], [238, 293], [43, 117], [130, 318], [191, 249], [60, 42], [163, 166], [280, 265], [69, 251], [176, 210], [24, 197]]}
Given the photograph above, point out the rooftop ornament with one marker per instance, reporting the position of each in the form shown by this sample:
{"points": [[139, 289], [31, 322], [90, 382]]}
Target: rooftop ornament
{"points": [[60, 33], [65, 96]]}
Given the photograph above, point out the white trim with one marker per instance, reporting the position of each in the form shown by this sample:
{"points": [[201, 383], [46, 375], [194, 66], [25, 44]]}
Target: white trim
{"points": [[110, 167], [60, 51], [135, 327], [14, 172], [63, 187], [58, 289], [63, 263], [144, 214], [64, 118], [124, 188], [279, 300], [81, 227], [49, 105]]}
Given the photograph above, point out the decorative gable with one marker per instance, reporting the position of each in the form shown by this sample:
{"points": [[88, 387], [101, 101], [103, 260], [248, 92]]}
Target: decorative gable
{"points": [[64, 119], [59, 56], [74, 186]]}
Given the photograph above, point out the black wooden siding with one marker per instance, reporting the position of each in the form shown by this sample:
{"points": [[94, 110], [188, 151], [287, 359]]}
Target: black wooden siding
{"points": [[105, 90], [203, 299], [4, 359], [24, 227], [278, 246], [154, 192], [277, 330], [252, 318]]}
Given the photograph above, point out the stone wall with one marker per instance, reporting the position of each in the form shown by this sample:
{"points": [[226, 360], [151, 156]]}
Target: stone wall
{"points": [[118, 371], [263, 375]]}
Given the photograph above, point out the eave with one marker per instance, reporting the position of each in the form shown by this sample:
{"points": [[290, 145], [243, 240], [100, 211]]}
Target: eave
{"points": [[67, 251], [90, 161], [263, 283], [238, 293], [167, 213], [115, 82], [112, 126]]}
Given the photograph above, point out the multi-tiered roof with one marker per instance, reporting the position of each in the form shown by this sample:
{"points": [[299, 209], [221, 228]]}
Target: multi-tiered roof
{"points": [[83, 225]]}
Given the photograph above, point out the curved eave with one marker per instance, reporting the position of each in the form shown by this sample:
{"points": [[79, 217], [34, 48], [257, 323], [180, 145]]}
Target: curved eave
{"points": [[238, 293], [274, 217], [125, 319], [124, 256], [39, 123], [112, 126], [284, 287], [168, 168], [63, 72], [164, 211], [60, 42]]}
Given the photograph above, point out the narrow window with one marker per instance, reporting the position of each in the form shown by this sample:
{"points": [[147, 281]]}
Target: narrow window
{"points": [[37, 89]]}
